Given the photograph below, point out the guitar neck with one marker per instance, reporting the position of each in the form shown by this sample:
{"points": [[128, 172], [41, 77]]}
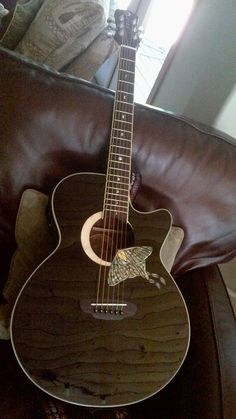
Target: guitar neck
{"points": [[120, 151]]}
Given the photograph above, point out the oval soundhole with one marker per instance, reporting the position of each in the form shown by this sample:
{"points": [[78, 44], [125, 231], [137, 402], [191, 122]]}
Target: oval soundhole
{"points": [[109, 235]]}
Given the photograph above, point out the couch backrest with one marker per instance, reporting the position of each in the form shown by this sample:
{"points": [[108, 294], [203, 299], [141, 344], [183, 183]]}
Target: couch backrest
{"points": [[53, 124]]}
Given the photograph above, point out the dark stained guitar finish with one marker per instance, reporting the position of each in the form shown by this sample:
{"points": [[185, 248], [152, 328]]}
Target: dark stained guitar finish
{"points": [[92, 361], [101, 322]]}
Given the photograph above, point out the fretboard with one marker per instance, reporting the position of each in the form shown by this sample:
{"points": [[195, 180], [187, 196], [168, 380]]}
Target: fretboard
{"points": [[119, 159]]}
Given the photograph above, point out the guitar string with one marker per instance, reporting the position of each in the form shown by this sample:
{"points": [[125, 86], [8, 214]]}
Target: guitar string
{"points": [[117, 238], [121, 236], [106, 223], [110, 224], [121, 239], [115, 221], [129, 87]]}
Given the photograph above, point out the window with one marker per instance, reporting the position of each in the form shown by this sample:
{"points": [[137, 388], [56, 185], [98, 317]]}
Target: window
{"points": [[163, 23]]}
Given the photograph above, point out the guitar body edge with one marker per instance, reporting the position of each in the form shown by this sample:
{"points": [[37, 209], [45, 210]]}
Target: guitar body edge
{"points": [[99, 359]]}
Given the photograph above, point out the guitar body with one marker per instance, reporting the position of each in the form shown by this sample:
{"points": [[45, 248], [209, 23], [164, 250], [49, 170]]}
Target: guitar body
{"points": [[103, 357]]}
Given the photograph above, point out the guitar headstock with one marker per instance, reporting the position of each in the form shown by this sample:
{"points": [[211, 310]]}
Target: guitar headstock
{"points": [[126, 28]]}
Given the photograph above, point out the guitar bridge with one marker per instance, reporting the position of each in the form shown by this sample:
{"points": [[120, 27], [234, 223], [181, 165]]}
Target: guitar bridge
{"points": [[108, 311]]}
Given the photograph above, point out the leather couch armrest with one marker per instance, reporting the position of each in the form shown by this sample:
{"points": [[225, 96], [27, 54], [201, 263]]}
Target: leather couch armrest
{"points": [[205, 385], [205, 291], [224, 327]]}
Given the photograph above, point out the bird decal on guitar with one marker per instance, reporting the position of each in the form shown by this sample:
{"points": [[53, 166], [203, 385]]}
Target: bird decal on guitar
{"points": [[101, 322]]}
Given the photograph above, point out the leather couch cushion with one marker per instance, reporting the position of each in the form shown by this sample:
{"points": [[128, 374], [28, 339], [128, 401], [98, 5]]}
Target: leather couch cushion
{"points": [[53, 125]]}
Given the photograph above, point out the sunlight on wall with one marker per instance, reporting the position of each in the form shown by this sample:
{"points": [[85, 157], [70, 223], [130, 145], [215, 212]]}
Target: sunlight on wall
{"points": [[166, 19], [122, 4]]}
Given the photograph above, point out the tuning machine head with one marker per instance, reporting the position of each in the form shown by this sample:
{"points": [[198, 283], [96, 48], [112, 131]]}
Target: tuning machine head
{"points": [[140, 32], [111, 27]]}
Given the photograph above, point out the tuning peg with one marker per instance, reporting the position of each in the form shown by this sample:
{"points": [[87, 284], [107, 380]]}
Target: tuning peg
{"points": [[110, 20], [141, 30], [111, 23], [110, 30], [110, 33]]}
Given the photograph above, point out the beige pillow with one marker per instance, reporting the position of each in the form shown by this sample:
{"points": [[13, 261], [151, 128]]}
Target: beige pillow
{"points": [[35, 243], [61, 30], [18, 21], [67, 36]]}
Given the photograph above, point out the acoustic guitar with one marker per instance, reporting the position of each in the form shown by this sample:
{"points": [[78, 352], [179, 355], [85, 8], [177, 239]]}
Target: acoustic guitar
{"points": [[101, 322]]}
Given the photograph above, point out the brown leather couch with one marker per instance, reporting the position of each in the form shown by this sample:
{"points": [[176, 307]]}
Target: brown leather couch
{"points": [[52, 125]]}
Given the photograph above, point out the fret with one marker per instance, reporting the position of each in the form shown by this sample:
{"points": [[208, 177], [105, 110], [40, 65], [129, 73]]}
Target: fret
{"points": [[123, 122], [125, 191], [118, 183], [122, 96], [127, 47], [127, 59], [120, 176], [128, 141], [126, 77], [122, 139], [109, 207], [118, 188], [117, 205], [115, 210], [119, 162], [120, 156], [121, 117], [116, 196], [113, 194], [122, 101], [127, 71], [116, 168], [116, 200], [126, 93], [123, 130], [119, 146], [121, 111], [125, 81]]}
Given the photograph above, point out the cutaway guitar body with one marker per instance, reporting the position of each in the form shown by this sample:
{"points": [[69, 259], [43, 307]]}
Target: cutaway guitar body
{"points": [[101, 322], [85, 341]]}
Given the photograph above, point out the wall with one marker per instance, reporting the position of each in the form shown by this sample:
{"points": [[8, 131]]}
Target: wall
{"points": [[225, 120], [202, 73]]}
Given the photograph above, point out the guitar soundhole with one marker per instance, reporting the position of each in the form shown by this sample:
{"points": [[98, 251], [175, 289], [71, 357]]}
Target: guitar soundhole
{"points": [[107, 236]]}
